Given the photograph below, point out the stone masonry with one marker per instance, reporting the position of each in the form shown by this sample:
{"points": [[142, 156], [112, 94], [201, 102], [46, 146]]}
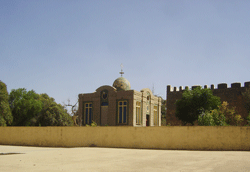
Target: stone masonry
{"points": [[109, 117], [232, 95]]}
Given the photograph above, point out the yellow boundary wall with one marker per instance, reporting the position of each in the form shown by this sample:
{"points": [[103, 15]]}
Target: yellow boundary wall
{"points": [[164, 137]]}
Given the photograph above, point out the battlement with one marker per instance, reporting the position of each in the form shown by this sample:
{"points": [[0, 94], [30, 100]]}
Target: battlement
{"points": [[219, 86], [232, 95]]}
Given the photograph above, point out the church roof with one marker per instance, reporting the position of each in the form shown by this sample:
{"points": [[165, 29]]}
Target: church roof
{"points": [[121, 83]]}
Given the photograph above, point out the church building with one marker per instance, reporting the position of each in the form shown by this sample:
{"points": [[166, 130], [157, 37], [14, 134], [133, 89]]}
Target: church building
{"points": [[118, 105]]}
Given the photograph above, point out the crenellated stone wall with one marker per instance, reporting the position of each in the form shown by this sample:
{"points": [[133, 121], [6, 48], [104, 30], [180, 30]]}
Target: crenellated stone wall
{"points": [[233, 95]]}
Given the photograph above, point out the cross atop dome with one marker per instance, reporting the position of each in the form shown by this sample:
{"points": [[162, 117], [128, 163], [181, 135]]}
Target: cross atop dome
{"points": [[121, 70], [121, 83]]}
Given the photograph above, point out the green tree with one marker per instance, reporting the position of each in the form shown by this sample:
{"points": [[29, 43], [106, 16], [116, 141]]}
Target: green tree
{"points": [[195, 102], [53, 114], [6, 117], [25, 105], [32, 109]]}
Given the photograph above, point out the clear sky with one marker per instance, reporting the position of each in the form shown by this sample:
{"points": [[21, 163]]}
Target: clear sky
{"points": [[67, 47]]}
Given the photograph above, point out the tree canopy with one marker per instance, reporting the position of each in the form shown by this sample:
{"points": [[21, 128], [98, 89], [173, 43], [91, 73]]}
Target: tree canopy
{"points": [[25, 105], [53, 114], [5, 112], [32, 109], [195, 102]]}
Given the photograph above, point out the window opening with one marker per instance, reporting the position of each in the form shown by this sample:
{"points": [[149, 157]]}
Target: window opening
{"points": [[88, 113], [122, 112]]}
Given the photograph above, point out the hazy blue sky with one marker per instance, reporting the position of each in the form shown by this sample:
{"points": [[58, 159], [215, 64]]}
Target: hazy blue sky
{"points": [[67, 47]]}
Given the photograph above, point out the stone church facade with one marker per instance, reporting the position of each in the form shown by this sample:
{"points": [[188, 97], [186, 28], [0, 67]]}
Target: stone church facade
{"points": [[118, 105]]}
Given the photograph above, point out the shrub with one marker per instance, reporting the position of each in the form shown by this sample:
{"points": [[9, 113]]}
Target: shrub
{"points": [[232, 118], [206, 119], [220, 117], [93, 124]]}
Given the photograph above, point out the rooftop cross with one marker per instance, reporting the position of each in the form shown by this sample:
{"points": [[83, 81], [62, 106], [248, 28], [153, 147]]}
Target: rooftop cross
{"points": [[121, 70]]}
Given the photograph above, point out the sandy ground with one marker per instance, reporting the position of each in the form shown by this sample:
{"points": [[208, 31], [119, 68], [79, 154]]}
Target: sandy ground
{"points": [[111, 159]]}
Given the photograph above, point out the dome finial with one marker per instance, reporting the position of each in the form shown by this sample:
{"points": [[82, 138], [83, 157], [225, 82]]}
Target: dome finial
{"points": [[121, 70], [121, 83]]}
